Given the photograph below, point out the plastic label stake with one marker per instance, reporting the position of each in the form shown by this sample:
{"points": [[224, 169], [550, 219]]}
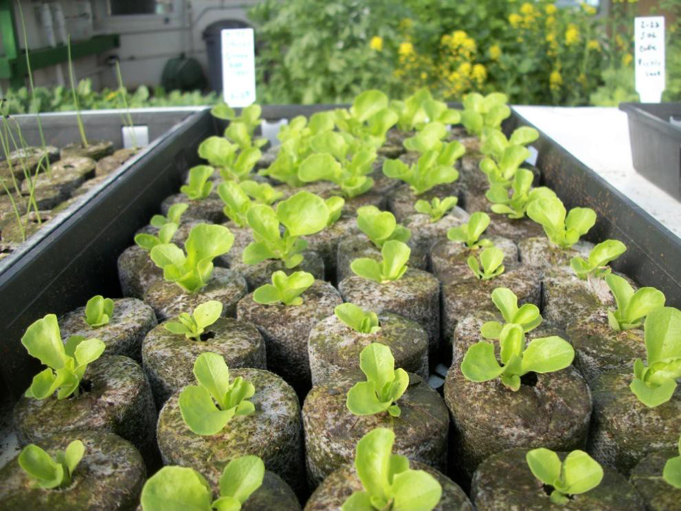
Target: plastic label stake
{"points": [[650, 58], [238, 66]]}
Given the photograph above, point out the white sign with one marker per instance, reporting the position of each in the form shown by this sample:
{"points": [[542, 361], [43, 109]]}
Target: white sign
{"points": [[238, 66], [650, 72]]}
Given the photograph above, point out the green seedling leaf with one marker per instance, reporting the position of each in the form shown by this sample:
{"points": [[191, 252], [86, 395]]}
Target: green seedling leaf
{"points": [[208, 407], [380, 226], [515, 204], [410, 112], [199, 186], [469, 233], [176, 489], [436, 208], [237, 202], [335, 206], [50, 473], [98, 311], [360, 320], [241, 477], [223, 111], [597, 264], [192, 326], [262, 193], [148, 241], [175, 213], [491, 260], [284, 289], [392, 267], [427, 139], [563, 232], [527, 317], [672, 470], [632, 307], [303, 214]]}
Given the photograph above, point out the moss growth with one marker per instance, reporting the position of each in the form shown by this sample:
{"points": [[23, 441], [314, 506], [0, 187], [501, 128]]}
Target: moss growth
{"points": [[137, 272], [541, 253], [273, 495], [326, 242], [31, 156], [259, 274], [96, 149], [108, 164], [30, 225], [208, 209], [516, 230]]}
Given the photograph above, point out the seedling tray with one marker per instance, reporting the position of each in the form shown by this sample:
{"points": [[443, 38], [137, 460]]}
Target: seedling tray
{"points": [[656, 143], [79, 259]]}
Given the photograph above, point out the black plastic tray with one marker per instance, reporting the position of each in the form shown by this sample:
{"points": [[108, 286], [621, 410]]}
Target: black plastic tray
{"points": [[656, 143]]}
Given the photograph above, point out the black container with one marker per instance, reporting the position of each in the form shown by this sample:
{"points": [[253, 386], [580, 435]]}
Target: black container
{"points": [[656, 143], [80, 260]]}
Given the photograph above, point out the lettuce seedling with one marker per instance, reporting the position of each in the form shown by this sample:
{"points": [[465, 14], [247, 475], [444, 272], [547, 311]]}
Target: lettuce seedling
{"points": [[262, 193], [436, 208], [431, 169], [469, 233], [175, 213], [249, 118], [526, 317], [360, 320], [384, 385], [184, 489], [428, 138], [148, 241], [301, 215], [50, 472], [503, 172], [544, 355], [578, 473], [238, 133], [655, 383], [490, 264], [380, 226], [192, 326], [237, 202], [98, 311], [438, 111], [284, 289], [494, 142], [66, 363], [392, 267], [388, 481], [192, 271], [369, 118], [522, 194], [672, 470], [232, 163], [562, 231], [484, 112], [632, 307], [410, 112], [599, 257], [335, 205], [199, 186], [207, 407]]}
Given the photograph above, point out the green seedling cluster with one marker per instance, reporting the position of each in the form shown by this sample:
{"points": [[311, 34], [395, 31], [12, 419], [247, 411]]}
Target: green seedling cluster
{"points": [[380, 226], [48, 472], [175, 213], [514, 203], [392, 267], [237, 202], [181, 489], [360, 320], [284, 289], [632, 307], [369, 118], [561, 230], [388, 481], [655, 382], [384, 384], [232, 161], [193, 325], [262, 193], [596, 266], [66, 362], [490, 265], [436, 208], [98, 311], [167, 227], [411, 113], [241, 128], [527, 317], [470, 232], [192, 268], [481, 112], [578, 473], [199, 185], [207, 407]]}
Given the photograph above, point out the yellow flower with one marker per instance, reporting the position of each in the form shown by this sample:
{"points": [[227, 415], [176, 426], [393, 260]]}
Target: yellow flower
{"points": [[479, 73], [551, 9], [620, 42], [515, 19], [406, 48], [589, 9], [593, 45], [459, 38], [550, 37], [465, 68], [571, 34], [495, 52], [550, 20], [555, 80], [424, 75], [626, 59], [376, 43], [527, 8]]}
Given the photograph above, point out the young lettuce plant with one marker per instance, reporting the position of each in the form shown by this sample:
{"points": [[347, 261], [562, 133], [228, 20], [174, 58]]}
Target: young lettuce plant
{"points": [[428, 138], [438, 111], [384, 384], [48, 472], [335, 205], [410, 112], [175, 213], [66, 362], [360, 320], [469, 233], [596, 267], [578, 473], [484, 112], [199, 186], [148, 241], [237, 202], [436, 208], [247, 122], [672, 470], [192, 271], [494, 142], [562, 231], [179, 488], [380, 226], [655, 382], [301, 215], [526, 317], [98, 311], [388, 481], [284, 289], [207, 407], [392, 267], [232, 163], [544, 355], [632, 307], [490, 265], [503, 171], [192, 326], [262, 193], [369, 118], [522, 194]]}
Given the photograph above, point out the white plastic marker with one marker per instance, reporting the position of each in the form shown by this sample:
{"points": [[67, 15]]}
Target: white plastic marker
{"points": [[238, 66], [650, 63]]}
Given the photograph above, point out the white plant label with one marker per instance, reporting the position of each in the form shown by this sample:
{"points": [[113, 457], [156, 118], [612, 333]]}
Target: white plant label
{"points": [[650, 58], [238, 66]]}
